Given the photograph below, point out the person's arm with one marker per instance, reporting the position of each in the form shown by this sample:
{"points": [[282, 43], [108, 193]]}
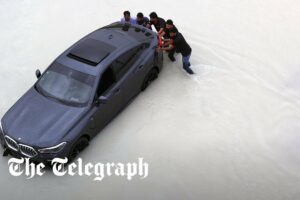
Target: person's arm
{"points": [[168, 41], [148, 25], [167, 48], [166, 44], [162, 34], [133, 21], [146, 21], [161, 30], [162, 25]]}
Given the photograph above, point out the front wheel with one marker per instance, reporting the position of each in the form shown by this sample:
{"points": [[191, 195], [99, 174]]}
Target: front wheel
{"points": [[81, 144], [151, 76]]}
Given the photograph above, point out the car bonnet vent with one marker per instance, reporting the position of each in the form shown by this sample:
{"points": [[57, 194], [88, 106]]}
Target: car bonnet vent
{"points": [[125, 27], [137, 29], [90, 51]]}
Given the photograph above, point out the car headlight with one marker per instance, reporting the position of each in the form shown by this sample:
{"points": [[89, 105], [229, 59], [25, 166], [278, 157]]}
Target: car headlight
{"points": [[54, 149], [1, 129]]}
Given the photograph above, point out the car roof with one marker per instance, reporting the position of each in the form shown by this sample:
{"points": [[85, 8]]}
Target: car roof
{"points": [[92, 52]]}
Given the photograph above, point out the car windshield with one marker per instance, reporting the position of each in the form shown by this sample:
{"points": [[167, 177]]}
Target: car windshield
{"points": [[66, 85]]}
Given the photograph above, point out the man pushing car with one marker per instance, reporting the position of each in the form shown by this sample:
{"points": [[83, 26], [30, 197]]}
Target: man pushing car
{"points": [[177, 41]]}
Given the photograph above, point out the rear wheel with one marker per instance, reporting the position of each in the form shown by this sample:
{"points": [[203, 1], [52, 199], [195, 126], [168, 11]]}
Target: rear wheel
{"points": [[151, 76], [81, 144]]}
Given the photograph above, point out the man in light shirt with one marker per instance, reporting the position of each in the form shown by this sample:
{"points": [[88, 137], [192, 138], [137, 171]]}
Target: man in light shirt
{"points": [[127, 19]]}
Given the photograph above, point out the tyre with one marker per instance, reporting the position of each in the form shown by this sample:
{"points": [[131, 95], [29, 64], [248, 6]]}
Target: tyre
{"points": [[151, 76], [80, 145]]}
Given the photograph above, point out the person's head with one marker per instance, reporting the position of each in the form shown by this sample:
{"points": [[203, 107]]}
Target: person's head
{"points": [[126, 15], [169, 24], [139, 17], [173, 32], [153, 17]]}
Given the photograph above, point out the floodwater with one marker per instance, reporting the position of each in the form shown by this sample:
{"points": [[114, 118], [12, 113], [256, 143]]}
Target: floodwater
{"points": [[231, 131]]}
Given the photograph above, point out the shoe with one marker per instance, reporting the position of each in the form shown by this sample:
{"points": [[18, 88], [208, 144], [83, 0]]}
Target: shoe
{"points": [[188, 70], [172, 58]]}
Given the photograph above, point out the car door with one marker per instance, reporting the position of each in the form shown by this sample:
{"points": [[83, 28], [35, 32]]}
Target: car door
{"points": [[125, 87], [132, 73], [106, 100], [143, 65], [113, 88], [118, 85]]}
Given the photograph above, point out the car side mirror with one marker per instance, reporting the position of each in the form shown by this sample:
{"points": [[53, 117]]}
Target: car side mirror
{"points": [[38, 73], [101, 100]]}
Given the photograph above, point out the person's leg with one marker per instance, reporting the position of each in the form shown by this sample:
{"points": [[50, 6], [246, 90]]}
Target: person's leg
{"points": [[171, 54], [186, 64]]}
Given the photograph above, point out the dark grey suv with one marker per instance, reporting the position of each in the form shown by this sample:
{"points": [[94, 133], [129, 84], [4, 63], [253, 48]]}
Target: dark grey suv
{"points": [[80, 92]]}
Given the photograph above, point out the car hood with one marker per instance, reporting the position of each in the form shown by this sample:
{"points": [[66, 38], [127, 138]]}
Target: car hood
{"points": [[38, 121]]}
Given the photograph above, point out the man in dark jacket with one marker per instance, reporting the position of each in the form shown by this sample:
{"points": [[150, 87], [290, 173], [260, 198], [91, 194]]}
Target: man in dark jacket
{"points": [[178, 42], [141, 19], [166, 35], [168, 26], [159, 23]]}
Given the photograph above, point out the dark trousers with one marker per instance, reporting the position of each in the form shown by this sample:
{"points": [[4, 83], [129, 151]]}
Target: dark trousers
{"points": [[171, 52]]}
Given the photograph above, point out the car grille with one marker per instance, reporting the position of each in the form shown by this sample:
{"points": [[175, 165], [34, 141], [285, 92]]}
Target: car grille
{"points": [[22, 148], [11, 143], [27, 150]]}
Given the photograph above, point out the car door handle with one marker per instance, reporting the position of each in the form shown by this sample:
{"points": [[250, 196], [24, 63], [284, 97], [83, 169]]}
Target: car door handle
{"points": [[138, 68], [117, 91]]}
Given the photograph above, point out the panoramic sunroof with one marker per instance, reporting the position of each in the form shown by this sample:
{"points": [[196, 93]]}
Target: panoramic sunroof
{"points": [[91, 51]]}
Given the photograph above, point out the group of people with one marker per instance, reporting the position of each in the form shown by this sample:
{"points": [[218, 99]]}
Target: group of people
{"points": [[173, 40]]}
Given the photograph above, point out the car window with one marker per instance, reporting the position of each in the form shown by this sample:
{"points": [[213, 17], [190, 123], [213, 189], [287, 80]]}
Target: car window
{"points": [[118, 68], [106, 81], [122, 64], [65, 84]]}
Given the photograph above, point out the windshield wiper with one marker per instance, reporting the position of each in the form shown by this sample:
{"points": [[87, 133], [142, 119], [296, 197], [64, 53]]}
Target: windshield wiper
{"points": [[45, 94], [65, 102], [40, 90]]}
